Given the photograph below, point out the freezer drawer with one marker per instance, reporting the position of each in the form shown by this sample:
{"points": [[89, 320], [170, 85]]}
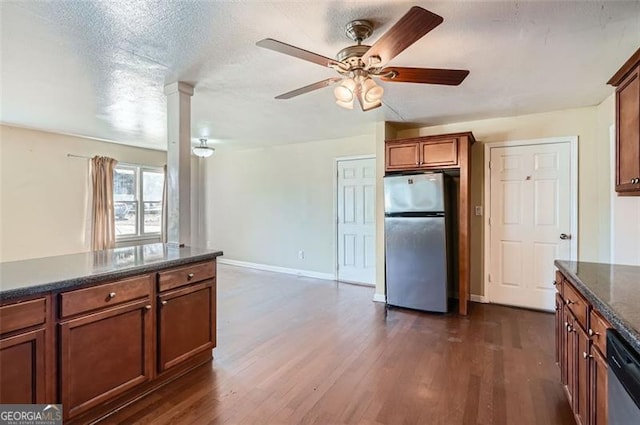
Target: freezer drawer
{"points": [[416, 262], [414, 193]]}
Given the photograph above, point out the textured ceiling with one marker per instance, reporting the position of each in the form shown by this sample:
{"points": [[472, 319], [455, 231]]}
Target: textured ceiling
{"points": [[98, 68]]}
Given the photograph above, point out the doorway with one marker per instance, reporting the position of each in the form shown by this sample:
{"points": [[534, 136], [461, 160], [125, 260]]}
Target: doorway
{"points": [[531, 198], [355, 218]]}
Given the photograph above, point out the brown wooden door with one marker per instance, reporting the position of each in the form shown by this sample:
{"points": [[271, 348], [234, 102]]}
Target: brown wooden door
{"points": [[22, 375], [568, 374], [560, 330], [104, 354], [628, 133], [581, 395], [186, 323], [598, 388], [439, 153], [402, 156]]}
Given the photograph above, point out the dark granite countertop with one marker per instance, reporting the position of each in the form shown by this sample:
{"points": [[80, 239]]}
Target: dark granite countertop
{"points": [[614, 290], [43, 275]]}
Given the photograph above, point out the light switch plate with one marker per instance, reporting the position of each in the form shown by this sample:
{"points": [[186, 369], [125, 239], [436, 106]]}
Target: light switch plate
{"points": [[478, 210]]}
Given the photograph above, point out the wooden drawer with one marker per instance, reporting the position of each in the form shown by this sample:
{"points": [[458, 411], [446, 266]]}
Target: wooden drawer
{"points": [[22, 315], [186, 275], [576, 303], [559, 283], [597, 332], [105, 295]]}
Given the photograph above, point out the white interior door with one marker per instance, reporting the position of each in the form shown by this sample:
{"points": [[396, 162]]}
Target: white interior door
{"points": [[356, 220], [530, 210]]}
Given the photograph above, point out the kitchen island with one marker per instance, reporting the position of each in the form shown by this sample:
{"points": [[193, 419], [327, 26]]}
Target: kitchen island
{"points": [[94, 331], [591, 299]]}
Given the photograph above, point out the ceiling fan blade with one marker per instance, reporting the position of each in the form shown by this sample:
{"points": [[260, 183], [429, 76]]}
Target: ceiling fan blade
{"points": [[296, 52], [409, 29], [310, 87], [449, 77]]}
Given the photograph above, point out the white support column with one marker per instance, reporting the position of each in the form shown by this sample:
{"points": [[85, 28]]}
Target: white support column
{"points": [[179, 162]]}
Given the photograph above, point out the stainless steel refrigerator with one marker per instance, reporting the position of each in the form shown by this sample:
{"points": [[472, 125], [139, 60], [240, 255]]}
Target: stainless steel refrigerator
{"points": [[416, 241]]}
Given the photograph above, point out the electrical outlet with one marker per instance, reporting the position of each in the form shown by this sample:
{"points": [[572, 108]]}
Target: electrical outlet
{"points": [[301, 254], [478, 210]]}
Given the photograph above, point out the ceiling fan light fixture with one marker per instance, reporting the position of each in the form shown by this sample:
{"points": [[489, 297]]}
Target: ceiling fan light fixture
{"points": [[372, 92], [345, 104], [344, 92], [203, 151]]}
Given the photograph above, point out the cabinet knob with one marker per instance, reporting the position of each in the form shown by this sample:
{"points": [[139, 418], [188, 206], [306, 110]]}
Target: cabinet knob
{"points": [[163, 302], [417, 163], [190, 276], [554, 283], [147, 307], [568, 327], [112, 295], [592, 332], [568, 302], [585, 355]]}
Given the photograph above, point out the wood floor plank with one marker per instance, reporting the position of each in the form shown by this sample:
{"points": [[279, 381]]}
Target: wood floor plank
{"points": [[294, 350]]}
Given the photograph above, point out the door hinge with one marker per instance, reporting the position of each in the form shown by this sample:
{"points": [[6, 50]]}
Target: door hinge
{"points": [[489, 277], [489, 221], [489, 164]]}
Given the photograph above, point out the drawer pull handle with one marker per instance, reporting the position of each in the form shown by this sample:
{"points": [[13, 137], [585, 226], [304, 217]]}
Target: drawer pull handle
{"points": [[190, 276], [163, 302], [592, 332], [112, 295]]}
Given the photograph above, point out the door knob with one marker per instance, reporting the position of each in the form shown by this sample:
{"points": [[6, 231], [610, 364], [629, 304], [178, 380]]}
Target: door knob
{"points": [[564, 236]]}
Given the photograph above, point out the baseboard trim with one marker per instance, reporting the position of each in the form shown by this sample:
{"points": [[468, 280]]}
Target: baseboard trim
{"points": [[479, 299], [379, 298], [277, 269]]}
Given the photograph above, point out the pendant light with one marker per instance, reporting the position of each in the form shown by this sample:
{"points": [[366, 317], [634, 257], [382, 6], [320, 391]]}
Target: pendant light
{"points": [[203, 151]]}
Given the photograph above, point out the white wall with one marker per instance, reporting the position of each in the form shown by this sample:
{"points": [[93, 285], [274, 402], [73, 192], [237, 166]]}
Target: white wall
{"points": [[264, 205], [43, 193]]}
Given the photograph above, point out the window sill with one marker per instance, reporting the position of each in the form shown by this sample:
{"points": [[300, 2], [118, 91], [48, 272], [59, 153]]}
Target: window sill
{"points": [[143, 240]]}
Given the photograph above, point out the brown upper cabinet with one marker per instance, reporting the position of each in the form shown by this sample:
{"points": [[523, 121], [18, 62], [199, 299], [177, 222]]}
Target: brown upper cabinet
{"points": [[421, 153], [627, 83]]}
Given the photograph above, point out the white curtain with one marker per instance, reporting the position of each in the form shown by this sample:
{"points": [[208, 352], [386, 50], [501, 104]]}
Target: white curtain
{"points": [[103, 225]]}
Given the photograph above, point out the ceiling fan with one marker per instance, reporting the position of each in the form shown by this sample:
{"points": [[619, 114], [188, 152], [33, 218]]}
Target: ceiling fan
{"points": [[357, 64]]}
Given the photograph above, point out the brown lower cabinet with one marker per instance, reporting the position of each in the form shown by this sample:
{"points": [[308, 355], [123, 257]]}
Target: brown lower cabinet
{"points": [[22, 376], [104, 354], [583, 368], [23, 354], [186, 323], [99, 347]]}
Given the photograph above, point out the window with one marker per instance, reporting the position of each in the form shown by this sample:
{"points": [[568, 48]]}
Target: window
{"points": [[137, 201]]}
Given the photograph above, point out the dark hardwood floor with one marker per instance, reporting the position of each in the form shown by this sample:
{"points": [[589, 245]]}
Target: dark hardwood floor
{"points": [[294, 350]]}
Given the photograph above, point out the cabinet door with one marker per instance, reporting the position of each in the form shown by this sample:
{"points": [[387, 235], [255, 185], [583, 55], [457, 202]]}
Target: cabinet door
{"points": [[439, 153], [581, 395], [104, 354], [560, 331], [628, 133], [598, 388], [568, 375], [22, 375], [402, 156], [186, 323]]}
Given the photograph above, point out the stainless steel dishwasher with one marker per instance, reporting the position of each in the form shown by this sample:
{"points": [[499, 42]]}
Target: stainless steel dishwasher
{"points": [[623, 381]]}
